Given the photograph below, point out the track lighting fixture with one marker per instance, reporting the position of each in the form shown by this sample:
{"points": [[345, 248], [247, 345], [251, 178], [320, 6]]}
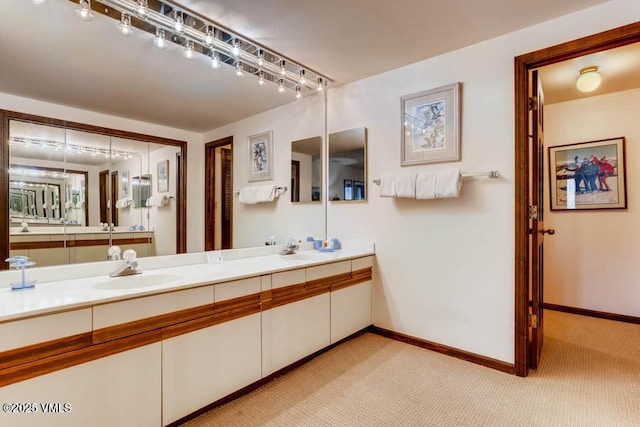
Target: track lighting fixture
{"points": [[125, 27], [84, 10], [189, 51], [235, 51], [178, 22], [208, 39], [160, 40], [215, 60], [199, 35], [143, 9]]}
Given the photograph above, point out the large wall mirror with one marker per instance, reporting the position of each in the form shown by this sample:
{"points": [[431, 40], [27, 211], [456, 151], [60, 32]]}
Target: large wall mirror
{"points": [[348, 165], [74, 190], [306, 170]]}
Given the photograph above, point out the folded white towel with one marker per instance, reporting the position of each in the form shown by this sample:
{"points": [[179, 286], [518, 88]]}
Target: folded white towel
{"points": [[448, 183], [124, 203], [68, 205], [388, 185], [158, 200], [406, 185], [426, 185], [257, 194]]}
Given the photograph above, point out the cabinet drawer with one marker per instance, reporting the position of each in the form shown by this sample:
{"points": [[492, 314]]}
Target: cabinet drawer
{"points": [[141, 308], [236, 289], [22, 333], [361, 263], [287, 278], [328, 270]]}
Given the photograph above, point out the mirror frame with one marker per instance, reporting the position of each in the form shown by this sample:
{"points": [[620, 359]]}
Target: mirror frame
{"points": [[6, 116]]}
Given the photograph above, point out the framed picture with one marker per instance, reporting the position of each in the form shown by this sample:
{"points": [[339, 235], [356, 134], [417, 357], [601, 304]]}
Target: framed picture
{"points": [[124, 184], [431, 126], [163, 176], [588, 175], [261, 156]]}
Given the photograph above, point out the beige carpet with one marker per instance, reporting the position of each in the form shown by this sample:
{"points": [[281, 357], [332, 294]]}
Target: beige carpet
{"points": [[589, 376]]}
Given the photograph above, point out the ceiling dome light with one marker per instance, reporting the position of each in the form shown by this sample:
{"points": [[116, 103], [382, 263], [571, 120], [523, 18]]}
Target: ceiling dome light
{"points": [[178, 23], [84, 10], [235, 50], [160, 41], [320, 84], [189, 51], [124, 26], [298, 93], [589, 79], [281, 86], [239, 69], [142, 10], [215, 60]]}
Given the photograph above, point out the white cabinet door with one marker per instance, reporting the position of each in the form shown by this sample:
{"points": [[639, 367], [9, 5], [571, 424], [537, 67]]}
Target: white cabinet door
{"points": [[350, 310], [203, 366], [298, 330], [119, 390]]}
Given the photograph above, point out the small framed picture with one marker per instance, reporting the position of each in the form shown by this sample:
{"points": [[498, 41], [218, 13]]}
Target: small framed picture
{"points": [[431, 126], [163, 176], [588, 175], [261, 156]]}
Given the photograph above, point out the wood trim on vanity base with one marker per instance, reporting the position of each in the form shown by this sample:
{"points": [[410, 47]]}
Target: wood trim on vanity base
{"points": [[449, 351], [593, 313], [254, 386], [78, 243], [43, 350]]}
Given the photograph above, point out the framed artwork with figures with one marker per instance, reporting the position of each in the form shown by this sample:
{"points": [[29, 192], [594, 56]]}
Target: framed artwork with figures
{"points": [[261, 156], [163, 176]]}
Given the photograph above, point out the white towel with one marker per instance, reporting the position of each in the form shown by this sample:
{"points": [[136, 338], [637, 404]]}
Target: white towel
{"points": [[257, 194], [158, 200], [388, 185], [426, 185], [406, 185], [68, 205], [448, 183], [124, 203]]}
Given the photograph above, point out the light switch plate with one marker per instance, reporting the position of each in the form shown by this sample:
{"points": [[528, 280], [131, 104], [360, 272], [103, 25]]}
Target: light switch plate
{"points": [[214, 257]]}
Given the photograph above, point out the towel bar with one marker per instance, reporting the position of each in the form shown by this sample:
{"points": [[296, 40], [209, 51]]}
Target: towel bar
{"points": [[280, 190], [490, 174]]}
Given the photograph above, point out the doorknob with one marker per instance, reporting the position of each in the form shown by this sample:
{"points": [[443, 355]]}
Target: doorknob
{"points": [[549, 231]]}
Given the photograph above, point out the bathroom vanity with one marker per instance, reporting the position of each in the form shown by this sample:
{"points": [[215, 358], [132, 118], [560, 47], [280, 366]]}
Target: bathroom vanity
{"points": [[150, 349]]}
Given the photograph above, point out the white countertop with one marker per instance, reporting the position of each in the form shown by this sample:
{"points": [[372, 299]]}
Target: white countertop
{"points": [[57, 296]]}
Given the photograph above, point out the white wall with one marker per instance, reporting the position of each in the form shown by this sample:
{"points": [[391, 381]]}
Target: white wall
{"points": [[253, 223], [446, 267], [195, 162], [592, 260]]}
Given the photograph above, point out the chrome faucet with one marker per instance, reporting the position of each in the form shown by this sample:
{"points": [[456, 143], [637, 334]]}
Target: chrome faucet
{"points": [[292, 247], [129, 265]]}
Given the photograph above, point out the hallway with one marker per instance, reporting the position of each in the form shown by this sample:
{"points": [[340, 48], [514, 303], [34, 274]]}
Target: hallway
{"points": [[589, 376]]}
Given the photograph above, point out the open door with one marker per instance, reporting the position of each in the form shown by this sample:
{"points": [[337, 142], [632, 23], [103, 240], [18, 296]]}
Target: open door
{"points": [[536, 226], [218, 190]]}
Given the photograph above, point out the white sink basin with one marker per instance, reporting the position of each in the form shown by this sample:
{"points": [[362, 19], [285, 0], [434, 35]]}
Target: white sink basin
{"points": [[137, 281]]}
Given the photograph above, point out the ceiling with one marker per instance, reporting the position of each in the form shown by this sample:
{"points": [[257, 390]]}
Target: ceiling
{"points": [[618, 67], [53, 56]]}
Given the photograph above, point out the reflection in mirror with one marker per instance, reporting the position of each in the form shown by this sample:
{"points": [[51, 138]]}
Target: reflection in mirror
{"points": [[54, 170], [306, 170], [348, 165]]}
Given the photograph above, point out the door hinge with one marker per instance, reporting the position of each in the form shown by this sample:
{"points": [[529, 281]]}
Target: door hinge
{"points": [[533, 103], [533, 212], [533, 320]]}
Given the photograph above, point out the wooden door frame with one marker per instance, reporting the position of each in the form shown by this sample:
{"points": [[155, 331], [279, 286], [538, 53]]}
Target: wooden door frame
{"points": [[209, 190], [606, 40]]}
